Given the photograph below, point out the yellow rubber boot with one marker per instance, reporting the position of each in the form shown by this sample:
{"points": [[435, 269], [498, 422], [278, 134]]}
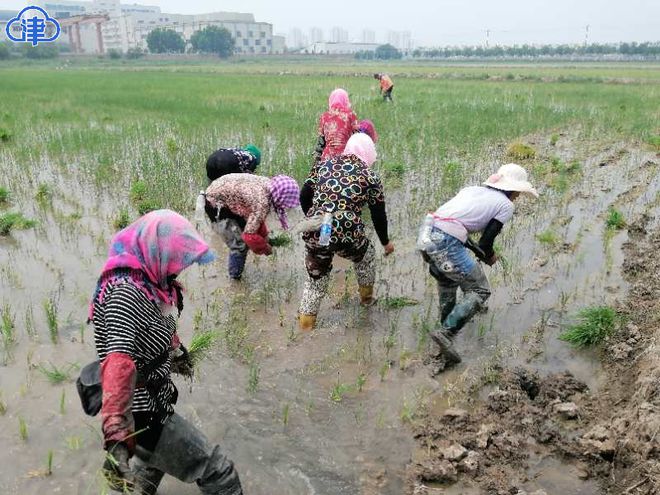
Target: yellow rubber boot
{"points": [[306, 322], [367, 295]]}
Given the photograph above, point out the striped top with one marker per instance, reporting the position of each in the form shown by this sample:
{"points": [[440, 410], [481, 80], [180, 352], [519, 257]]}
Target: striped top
{"points": [[127, 322]]}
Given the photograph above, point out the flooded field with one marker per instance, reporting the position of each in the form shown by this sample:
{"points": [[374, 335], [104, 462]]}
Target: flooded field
{"points": [[335, 411]]}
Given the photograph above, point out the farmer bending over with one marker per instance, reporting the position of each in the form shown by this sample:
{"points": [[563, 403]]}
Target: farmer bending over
{"points": [[336, 126], [252, 197], [134, 310], [474, 209], [228, 225], [386, 86], [342, 186]]}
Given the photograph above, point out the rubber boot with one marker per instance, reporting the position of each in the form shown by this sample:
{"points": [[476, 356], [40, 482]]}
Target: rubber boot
{"points": [[185, 453], [443, 338], [462, 313], [236, 264], [307, 322], [147, 478], [447, 299], [367, 295]]}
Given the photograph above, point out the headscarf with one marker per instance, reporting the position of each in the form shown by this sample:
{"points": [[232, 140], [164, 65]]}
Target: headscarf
{"points": [[284, 193], [339, 100], [361, 146], [254, 151], [150, 251], [367, 126]]}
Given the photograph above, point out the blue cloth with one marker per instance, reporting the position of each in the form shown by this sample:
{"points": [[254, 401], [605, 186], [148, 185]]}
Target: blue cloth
{"points": [[449, 256]]}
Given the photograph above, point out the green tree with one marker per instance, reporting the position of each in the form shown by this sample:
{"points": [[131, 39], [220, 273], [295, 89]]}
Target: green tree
{"points": [[213, 39], [4, 51], [48, 50], [163, 40], [386, 52]]}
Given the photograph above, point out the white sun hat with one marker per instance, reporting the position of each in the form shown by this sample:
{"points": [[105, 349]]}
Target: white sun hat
{"points": [[511, 177]]}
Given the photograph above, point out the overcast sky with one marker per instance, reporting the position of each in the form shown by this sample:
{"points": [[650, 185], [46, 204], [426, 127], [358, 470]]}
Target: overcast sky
{"points": [[446, 22]]}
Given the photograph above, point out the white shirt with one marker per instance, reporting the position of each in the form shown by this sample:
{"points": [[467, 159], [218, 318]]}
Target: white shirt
{"points": [[471, 210]]}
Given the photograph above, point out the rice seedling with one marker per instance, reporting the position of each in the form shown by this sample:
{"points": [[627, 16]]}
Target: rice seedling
{"points": [[338, 391], [22, 429], [63, 402], [360, 381], [73, 443], [4, 196], [8, 328], [122, 220], [593, 326], [14, 220], [51, 310], [407, 413], [201, 343], [285, 414], [614, 219], [398, 302], [148, 205], [548, 238], [520, 151], [49, 463], [44, 195], [138, 192], [280, 240], [253, 377], [5, 135], [654, 142], [554, 139], [29, 322], [57, 375], [3, 406]]}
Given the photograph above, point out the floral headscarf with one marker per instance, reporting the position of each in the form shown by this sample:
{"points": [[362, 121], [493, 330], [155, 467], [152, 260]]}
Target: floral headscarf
{"points": [[151, 251], [284, 193], [367, 126], [361, 146], [339, 100]]}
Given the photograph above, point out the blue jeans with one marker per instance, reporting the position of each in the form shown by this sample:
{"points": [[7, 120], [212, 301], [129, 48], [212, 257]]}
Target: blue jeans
{"points": [[452, 266]]}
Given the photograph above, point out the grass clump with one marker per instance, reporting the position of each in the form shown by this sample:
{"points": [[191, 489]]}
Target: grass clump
{"points": [[122, 220], [548, 238], [148, 205], [520, 151], [5, 135], [554, 139], [614, 219], [4, 196], [51, 310], [44, 194], [654, 142], [14, 221], [57, 375], [399, 302], [593, 325], [280, 240], [201, 343], [138, 191]]}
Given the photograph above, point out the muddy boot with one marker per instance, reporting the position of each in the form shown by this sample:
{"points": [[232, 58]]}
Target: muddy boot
{"points": [[447, 297], [443, 338], [236, 264], [185, 453], [462, 313], [307, 322], [147, 478], [367, 295]]}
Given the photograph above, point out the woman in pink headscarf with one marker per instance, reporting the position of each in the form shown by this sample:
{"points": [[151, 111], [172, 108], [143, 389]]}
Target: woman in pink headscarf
{"points": [[134, 311], [336, 126]]}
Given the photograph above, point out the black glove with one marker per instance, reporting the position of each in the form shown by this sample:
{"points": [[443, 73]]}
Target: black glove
{"points": [[182, 364], [116, 470]]}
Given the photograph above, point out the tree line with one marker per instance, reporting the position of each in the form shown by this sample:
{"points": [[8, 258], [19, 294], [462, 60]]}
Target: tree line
{"points": [[646, 49]]}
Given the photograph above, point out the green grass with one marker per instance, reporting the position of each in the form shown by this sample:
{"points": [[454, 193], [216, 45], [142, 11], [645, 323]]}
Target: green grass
{"points": [[614, 219], [548, 238], [520, 151], [57, 375], [14, 221], [593, 325], [122, 220], [4, 196], [280, 240], [398, 302]]}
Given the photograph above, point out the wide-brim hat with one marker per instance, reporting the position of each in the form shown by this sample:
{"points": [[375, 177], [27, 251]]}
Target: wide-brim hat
{"points": [[511, 177]]}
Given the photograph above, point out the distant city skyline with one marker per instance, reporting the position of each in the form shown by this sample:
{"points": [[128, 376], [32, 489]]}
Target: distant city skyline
{"points": [[446, 22]]}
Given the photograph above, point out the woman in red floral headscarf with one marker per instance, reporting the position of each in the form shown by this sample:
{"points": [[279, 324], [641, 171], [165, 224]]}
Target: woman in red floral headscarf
{"points": [[336, 126]]}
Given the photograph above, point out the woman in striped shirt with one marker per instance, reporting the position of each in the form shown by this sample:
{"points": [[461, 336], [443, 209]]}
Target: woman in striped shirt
{"points": [[134, 311]]}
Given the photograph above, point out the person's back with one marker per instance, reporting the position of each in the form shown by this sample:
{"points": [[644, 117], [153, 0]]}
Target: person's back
{"points": [[231, 161], [471, 210], [336, 126]]}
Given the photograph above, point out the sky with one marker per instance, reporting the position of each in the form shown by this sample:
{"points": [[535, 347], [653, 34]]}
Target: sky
{"points": [[445, 22]]}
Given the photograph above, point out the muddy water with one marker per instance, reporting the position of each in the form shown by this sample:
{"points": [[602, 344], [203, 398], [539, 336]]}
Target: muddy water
{"points": [[290, 435]]}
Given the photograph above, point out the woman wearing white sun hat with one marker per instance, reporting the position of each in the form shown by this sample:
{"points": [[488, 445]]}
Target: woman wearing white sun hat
{"points": [[443, 239]]}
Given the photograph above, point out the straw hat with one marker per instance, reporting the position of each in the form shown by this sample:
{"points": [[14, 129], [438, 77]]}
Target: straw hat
{"points": [[511, 177]]}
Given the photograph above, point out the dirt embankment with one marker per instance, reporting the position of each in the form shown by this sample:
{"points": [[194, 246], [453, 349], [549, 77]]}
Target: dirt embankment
{"points": [[611, 438]]}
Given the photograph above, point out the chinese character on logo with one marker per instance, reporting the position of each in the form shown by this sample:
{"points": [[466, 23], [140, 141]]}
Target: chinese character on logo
{"points": [[33, 25]]}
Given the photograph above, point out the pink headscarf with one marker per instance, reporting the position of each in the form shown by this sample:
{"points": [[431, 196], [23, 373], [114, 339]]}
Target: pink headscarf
{"points": [[151, 250], [361, 146], [367, 126], [339, 100]]}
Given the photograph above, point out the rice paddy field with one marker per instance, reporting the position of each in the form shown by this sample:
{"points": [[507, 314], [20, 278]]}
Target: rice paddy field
{"points": [[87, 146]]}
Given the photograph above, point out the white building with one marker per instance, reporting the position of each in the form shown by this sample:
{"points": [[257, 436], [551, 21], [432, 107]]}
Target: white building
{"points": [[315, 35], [130, 24], [368, 36], [330, 48], [400, 39], [339, 35], [296, 39]]}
